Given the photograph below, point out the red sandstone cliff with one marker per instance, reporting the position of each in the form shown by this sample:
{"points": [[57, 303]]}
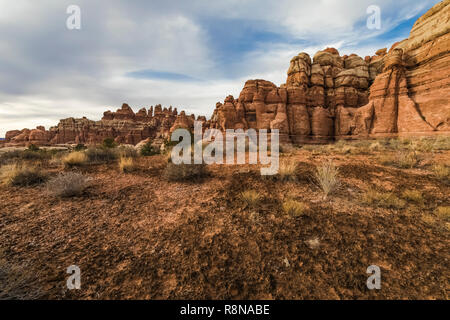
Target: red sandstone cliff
{"points": [[405, 90]]}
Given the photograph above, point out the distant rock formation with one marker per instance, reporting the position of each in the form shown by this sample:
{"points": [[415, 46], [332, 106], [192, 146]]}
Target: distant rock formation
{"points": [[403, 90], [125, 126]]}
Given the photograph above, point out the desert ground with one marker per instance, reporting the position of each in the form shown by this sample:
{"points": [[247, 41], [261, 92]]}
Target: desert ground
{"points": [[139, 229]]}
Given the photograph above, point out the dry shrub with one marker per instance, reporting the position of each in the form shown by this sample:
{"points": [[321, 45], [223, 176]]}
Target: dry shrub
{"points": [[67, 184], [251, 198], [294, 208], [127, 164], [326, 177], [376, 146], [185, 172], [414, 196], [127, 152], [24, 155], [22, 175], [18, 282], [101, 155], [383, 199], [75, 159], [287, 170]]}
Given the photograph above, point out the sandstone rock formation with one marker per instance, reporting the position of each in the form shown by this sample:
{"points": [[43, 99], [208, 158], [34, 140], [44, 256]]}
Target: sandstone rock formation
{"points": [[405, 90], [125, 126], [305, 107]]}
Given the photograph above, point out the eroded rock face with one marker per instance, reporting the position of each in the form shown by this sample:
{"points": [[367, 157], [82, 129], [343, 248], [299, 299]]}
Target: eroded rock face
{"points": [[412, 93], [304, 108], [403, 90]]}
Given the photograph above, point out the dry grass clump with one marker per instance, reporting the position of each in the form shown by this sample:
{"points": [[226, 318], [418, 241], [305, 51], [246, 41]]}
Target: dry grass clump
{"points": [[423, 145], [404, 159], [383, 199], [413, 196], [22, 175], [347, 150], [127, 165], [407, 160], [67, 184], [286, 148], [442, 172], [394, 144], [317, 149], [75, 159], [442, 143], [443, 213], [185, 172], [294, 208], [350, 147], [287, 170], [326, 177], [251, 198]]}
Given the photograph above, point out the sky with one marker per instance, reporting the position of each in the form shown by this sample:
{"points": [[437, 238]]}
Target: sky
{"points": [[188, 54]]}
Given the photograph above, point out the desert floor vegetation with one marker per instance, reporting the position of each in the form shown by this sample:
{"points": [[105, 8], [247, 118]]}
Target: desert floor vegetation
{"points": [[164, 225]]}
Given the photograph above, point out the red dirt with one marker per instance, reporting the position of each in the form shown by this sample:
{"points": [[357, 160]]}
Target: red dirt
{"points": [[140, 236]]}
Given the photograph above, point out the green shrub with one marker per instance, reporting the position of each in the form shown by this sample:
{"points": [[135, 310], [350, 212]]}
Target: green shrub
{"points": [[109, 143], [149, 150], [80, 147], [33, 147]]}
